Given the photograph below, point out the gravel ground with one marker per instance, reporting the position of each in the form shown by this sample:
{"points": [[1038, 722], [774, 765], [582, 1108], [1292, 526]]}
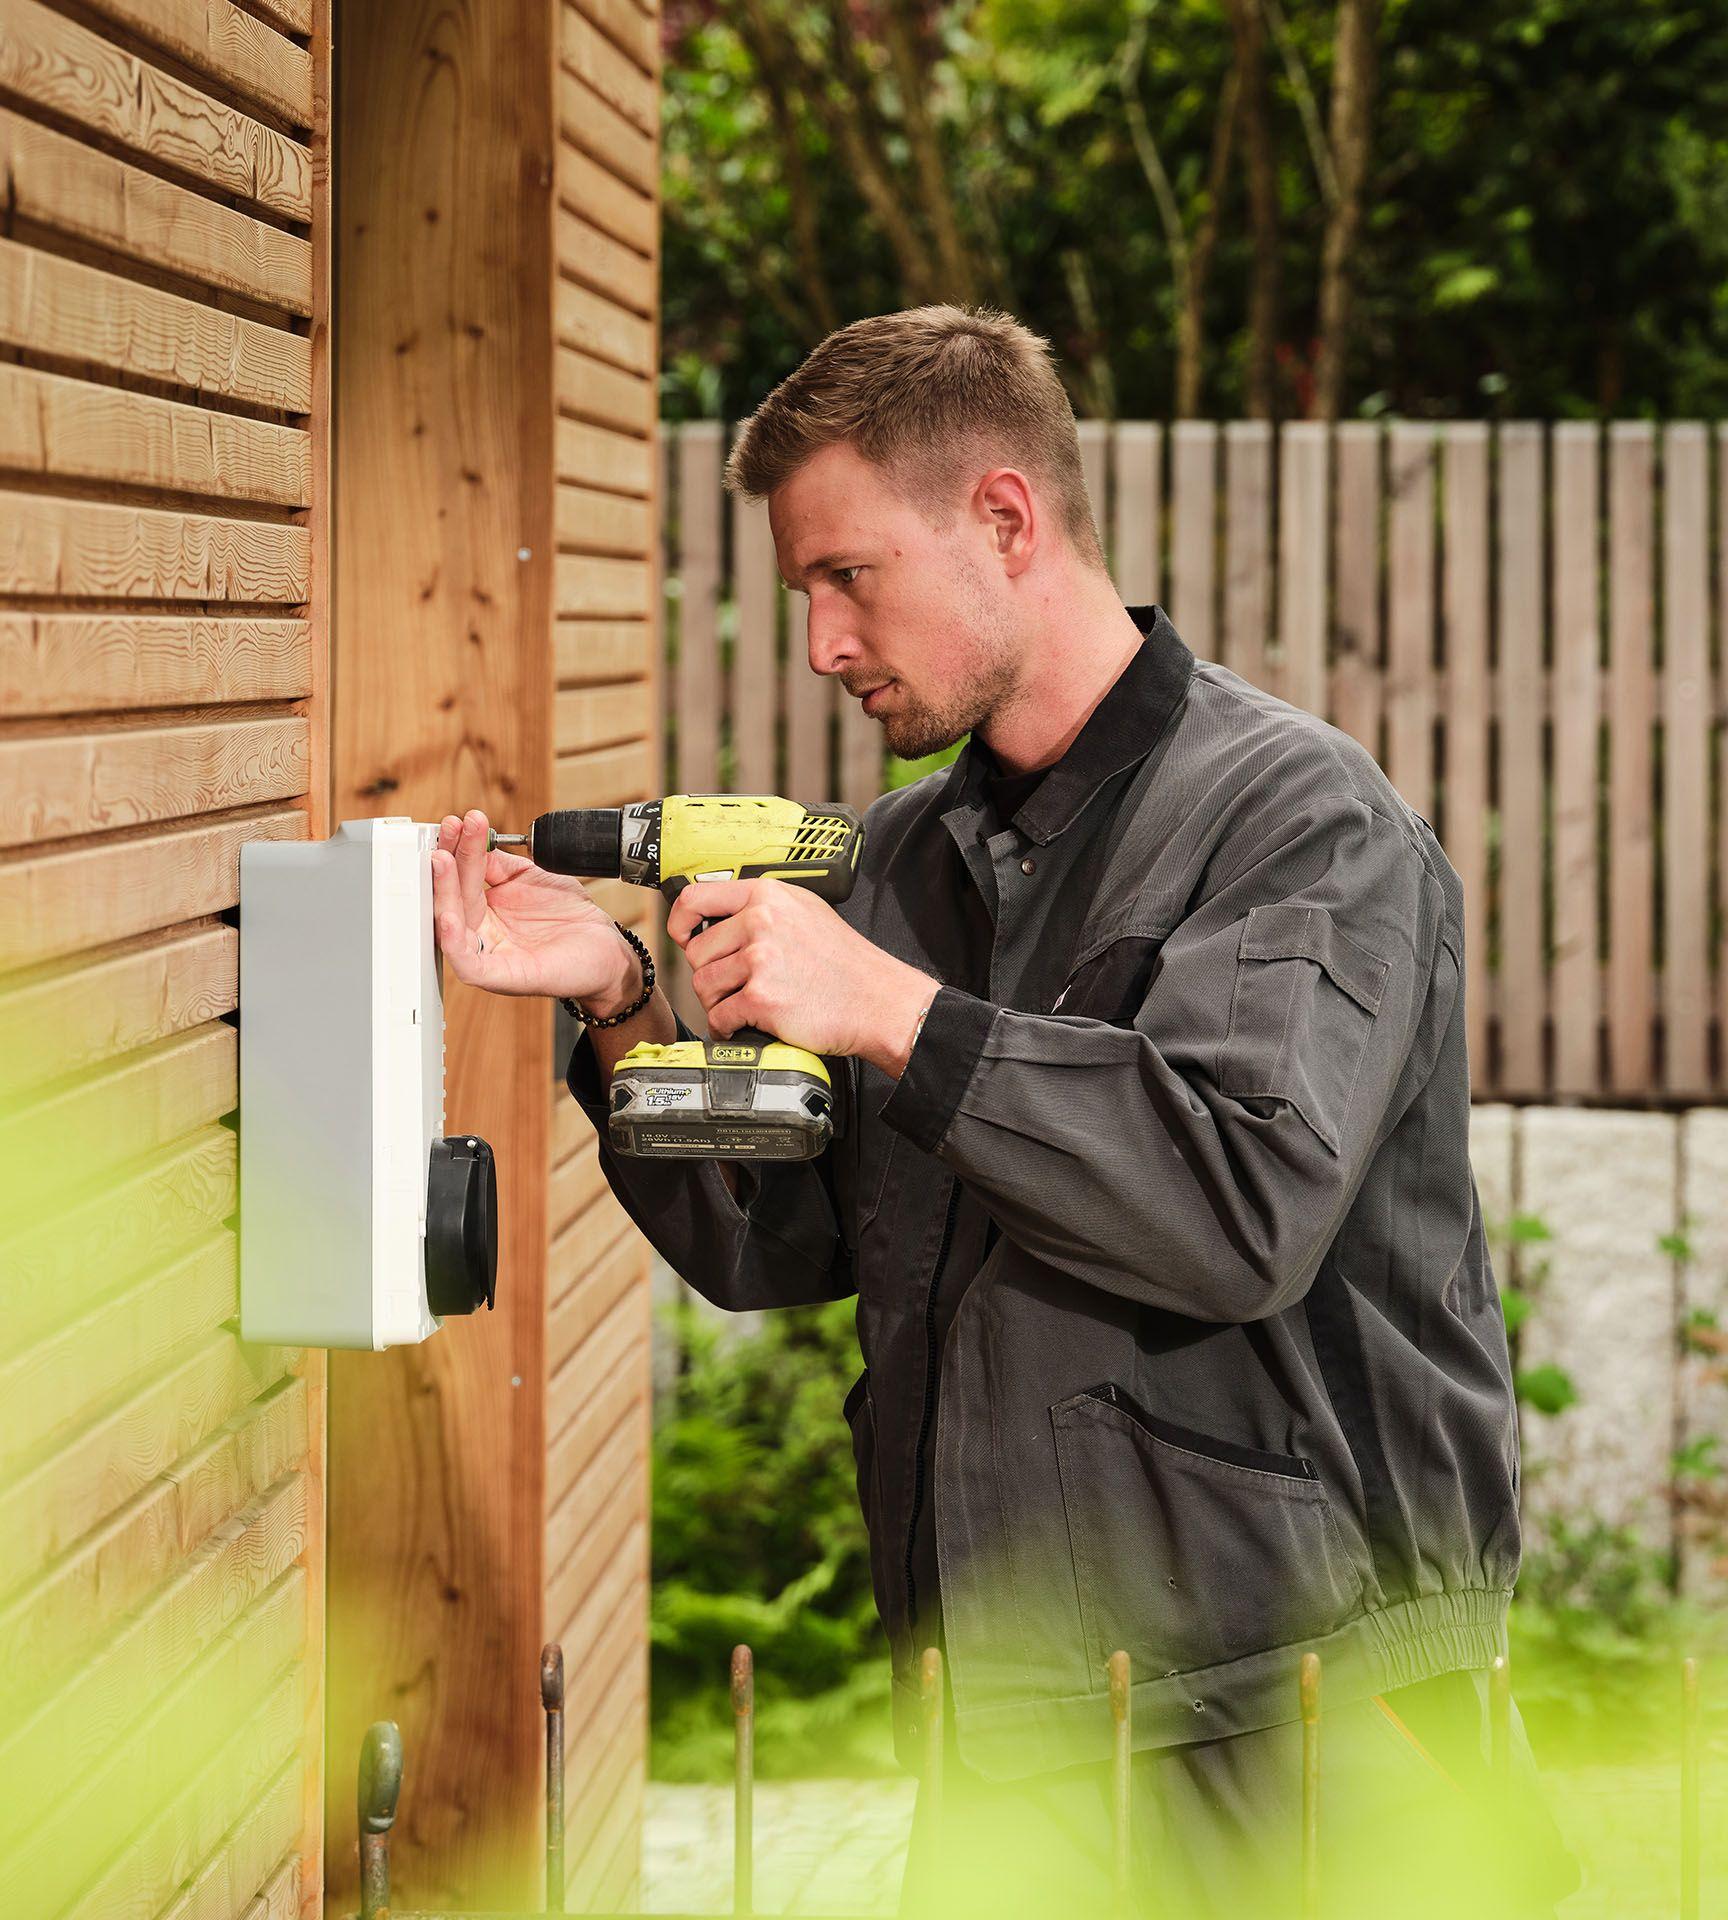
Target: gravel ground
{"points": [[836, 1846]]}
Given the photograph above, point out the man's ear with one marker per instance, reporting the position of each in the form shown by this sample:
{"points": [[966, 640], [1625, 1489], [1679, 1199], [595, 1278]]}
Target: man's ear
{"points": [[1003, 499]]}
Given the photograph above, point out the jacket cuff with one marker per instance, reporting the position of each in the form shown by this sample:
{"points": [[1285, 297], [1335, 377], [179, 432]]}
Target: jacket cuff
{"points": [[946, 1054]]}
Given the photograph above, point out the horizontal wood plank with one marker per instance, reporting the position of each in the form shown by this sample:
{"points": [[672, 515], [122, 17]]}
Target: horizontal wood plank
{"points": [[55, 786], [75, 1017], [56, 1385], [269, 1833], [608, 777], [590, 717], [585, 651], [613, 205], [597, 456], [59, 65], [54, 663], [292, 16], [152, 1758], [55, 1265], [594, 587], [121, 1678], [88, 550], [584, 51], [61, 183], [54, 1505], [235, 48], [606, 396], [585, 521], [620, 1452], [75, 429], [56, 903], [596, 323], [66, 1142], [628, 27], [49, 305], [171, 1849], [595, 127], [49, 1629], [610, 1269], [611, 269]]}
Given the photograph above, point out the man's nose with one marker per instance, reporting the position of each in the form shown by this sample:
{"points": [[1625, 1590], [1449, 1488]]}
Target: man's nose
{"points": [[830, 640]]}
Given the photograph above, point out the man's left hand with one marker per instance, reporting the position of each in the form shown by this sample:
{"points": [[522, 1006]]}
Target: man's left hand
{"points": [[780, 959]]}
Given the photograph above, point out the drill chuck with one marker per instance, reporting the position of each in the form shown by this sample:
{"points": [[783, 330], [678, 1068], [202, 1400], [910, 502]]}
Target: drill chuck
{"points": [[584, 841]]}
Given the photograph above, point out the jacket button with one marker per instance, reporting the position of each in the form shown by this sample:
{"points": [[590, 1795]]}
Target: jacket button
{"points": [[1028, 864]]}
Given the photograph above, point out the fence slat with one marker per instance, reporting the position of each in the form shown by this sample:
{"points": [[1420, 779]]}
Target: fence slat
{"points": [[1523, 974], [809, 712], [1577, 721], [698, 679], [1137, 515], [1356, 672], [1631, 982], [1685, 759], [1465, 818], [1302, 522], [1410, 614], [756, 587], [1247, 548], [1193, 533]]}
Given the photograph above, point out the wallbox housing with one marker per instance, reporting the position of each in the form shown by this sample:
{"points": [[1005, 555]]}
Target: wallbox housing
{"points": [[361, 1225]]}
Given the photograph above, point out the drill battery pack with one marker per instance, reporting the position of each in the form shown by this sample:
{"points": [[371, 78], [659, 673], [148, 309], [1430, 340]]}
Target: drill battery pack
{"points": [[747, 1097]]}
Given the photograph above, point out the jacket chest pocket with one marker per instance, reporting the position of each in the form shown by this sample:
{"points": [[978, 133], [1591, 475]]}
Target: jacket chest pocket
{"points": [[1190, 1551], [1301, 1008]]}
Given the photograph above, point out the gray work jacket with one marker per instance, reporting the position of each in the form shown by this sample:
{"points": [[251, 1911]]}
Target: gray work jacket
{"points": [[1180, 1330]]}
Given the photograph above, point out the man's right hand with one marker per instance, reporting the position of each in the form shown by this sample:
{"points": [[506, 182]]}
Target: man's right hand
{"points": [[509, 926]]}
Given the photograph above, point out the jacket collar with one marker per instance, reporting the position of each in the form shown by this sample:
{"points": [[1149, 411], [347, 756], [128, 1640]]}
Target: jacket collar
{"points": [[1119, 732]]}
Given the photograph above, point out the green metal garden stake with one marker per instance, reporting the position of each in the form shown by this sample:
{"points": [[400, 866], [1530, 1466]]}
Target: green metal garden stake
{"points": [[1308, 1691], [1500, 1723], [743, 1780], [1691, 1745], [1121, 1777], [380, 1786]]}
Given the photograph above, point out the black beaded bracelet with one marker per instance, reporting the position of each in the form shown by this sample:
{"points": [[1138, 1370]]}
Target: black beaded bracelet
{"points": [[577, 1012]]}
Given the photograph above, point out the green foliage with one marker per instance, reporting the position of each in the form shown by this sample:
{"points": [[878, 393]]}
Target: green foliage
{"points": [[1546, 228], [758, 1538], [1547, 1388]]}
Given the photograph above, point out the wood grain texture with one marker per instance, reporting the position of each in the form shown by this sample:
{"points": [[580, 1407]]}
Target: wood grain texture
{"points": [[56, 786], [88, 550], [700, 453], [74, 1018], [595, 324], [1137, 517], [592, 717], [595, 127], [596, 456], [585, 51], [1465, 614], [629, 27], [292, 16], [60, 183], [55, 1504], [1577, 520], [234, 47], [1686, 730], [594, 650], [614, 206], [73, 429], [49, 305], [1521, 616], [57, 64], [611, 269], [603, 395], [1410, 610], [60, 902], [588, 521], [1631, 714], [1248, 549], [1303, 524], [1193, 578], [48, 1630], [756, 589], [444, 340], [1356, 670], [86, 663], [605, 776], [602, 589]]}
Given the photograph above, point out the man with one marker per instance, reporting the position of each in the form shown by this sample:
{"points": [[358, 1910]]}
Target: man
{"points": [[1147, 1017]]}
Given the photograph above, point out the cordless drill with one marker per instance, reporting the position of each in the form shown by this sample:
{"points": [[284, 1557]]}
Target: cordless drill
{"points": [[748, 1096]]}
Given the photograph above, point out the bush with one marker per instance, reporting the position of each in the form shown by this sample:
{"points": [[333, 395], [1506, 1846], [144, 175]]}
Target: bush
{"points": [[758, 1538]]}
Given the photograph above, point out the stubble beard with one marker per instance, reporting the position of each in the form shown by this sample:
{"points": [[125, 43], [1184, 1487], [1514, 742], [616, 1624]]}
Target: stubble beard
{"points": [[988, 679]]}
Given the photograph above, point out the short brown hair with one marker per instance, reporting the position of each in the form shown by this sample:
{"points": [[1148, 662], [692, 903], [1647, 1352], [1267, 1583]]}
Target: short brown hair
{"points": [[925, 394]]}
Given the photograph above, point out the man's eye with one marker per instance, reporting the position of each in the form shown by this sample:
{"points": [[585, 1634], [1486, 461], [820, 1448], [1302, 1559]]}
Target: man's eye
{"points": [[846, 575]]}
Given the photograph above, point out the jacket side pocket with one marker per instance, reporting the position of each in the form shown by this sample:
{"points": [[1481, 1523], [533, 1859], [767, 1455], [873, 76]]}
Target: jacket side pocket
{"points": [[1302, 1006], [1190, 1551]]}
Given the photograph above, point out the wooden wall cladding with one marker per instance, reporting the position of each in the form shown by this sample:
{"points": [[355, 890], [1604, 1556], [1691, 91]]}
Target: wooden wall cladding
{"points": [[164, 249], [608, 751]]}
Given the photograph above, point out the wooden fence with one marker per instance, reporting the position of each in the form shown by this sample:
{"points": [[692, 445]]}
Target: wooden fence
{"points": [[1525, 624]]}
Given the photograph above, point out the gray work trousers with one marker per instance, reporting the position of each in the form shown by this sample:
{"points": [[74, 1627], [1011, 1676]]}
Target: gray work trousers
{"points": [[1411, 1824]]}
